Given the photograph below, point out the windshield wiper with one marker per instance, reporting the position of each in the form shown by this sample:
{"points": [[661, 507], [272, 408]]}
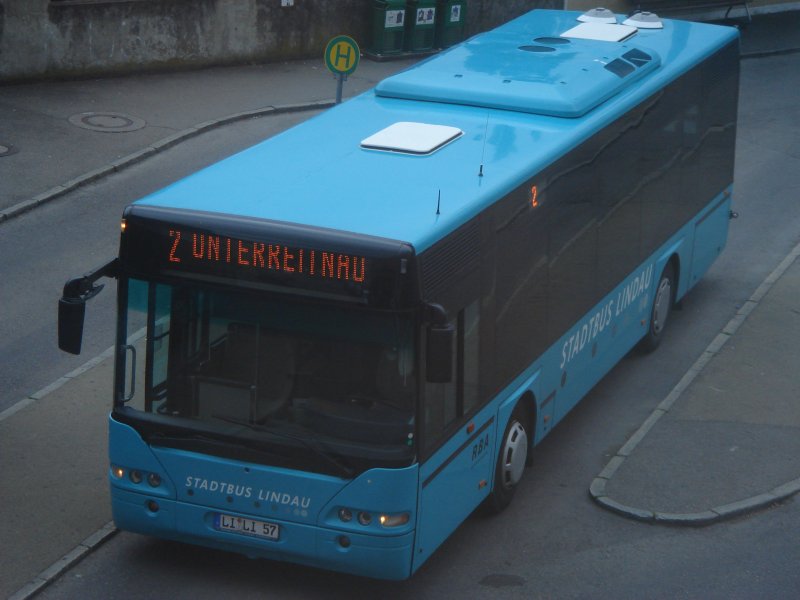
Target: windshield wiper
{"points": [[314, 447], [186, 442]]}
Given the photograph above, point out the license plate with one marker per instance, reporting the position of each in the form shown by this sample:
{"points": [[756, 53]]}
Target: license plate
{"points": [[245, 526]]}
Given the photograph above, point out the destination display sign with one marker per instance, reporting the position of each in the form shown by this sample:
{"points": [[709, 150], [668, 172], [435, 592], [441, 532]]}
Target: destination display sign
{"points": [[196, 248], [231, 250]]}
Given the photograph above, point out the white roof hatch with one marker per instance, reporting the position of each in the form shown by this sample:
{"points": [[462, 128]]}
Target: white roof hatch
{"points": [[411, 138], [602, 32]]}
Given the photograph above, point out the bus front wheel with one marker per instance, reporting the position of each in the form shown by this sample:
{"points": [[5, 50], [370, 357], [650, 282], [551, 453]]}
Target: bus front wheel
{"points": [[511, 461], [662, 306]]}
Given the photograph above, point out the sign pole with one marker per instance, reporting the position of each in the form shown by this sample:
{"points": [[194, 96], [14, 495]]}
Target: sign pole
{"points": [[339, 86], [341, 58]]}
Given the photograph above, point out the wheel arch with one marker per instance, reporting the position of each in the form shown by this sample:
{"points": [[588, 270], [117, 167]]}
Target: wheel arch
{"points": [[525, 400], [528, 403], [675, 261]]}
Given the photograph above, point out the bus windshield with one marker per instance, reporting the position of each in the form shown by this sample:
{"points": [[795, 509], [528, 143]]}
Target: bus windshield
{"points": [[309, 384]]}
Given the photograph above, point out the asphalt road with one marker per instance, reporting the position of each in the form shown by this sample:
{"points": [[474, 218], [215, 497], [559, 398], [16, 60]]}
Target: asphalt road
{"points": [[553, 541]]}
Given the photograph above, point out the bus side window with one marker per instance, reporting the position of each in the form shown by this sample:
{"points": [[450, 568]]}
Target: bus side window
{"points": [[447, 403], [148, 337]]}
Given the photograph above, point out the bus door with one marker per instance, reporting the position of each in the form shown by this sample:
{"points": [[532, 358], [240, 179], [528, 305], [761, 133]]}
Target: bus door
{"points": [[458, 442]]}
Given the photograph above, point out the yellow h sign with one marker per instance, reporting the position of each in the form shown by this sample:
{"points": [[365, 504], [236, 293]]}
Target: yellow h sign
{"points": [[341, 55]]}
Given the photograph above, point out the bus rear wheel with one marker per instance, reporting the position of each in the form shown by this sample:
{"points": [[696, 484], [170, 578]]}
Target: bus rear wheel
{"points": [[661, 309], [511, 461]]}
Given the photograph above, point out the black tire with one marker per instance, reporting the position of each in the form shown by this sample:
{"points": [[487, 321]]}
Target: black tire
{"points": [[512, 458], [663, 301]]}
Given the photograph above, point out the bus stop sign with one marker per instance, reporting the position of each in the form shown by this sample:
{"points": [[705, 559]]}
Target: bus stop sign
{"points": [[341, 55]]}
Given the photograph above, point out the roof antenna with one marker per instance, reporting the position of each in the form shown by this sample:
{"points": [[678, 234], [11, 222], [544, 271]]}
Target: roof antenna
{"points": [[439, 203], [483, 150]]}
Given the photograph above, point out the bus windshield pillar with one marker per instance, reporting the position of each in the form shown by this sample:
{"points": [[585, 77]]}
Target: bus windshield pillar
{"points": [[439, 351]]}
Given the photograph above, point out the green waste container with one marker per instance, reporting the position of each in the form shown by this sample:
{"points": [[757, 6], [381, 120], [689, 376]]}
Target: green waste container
{"points": [[450, 22], [388, 26], [420, 25]]}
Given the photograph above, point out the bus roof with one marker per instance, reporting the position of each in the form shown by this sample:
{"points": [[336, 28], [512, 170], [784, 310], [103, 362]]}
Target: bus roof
{"points": [[505, 110]]}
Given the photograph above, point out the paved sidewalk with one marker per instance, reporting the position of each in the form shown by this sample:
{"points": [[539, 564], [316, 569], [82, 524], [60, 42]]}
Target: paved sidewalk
{"points": [[53, 470], [64, 134], [726, 441]]}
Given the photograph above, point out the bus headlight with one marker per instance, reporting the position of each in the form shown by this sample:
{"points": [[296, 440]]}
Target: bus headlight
{"points": [[366, 518], [393, 520], [346, 515], [136, 476]]}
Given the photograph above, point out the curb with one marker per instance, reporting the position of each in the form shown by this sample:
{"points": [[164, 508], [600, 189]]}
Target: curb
{"points": [[153, 149], [597, 489], [52, 572], [92, 542], [768, 53], [36, 396]]}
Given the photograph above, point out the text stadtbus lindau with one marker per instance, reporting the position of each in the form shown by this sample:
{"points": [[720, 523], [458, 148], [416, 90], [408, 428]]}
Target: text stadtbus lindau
{"points": [[192, 247], [636, 288]]}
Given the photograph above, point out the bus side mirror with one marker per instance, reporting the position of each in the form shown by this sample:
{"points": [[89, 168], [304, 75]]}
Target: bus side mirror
{"points": [[72, 306], [71, 312], [439, 361]]}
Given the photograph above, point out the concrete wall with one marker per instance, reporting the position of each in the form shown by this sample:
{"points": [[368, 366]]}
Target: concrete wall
{"points": [[63, 38]]}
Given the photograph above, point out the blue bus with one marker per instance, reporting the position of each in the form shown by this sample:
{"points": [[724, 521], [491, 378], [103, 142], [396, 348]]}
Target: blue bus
{"points": [[334, 346]]}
